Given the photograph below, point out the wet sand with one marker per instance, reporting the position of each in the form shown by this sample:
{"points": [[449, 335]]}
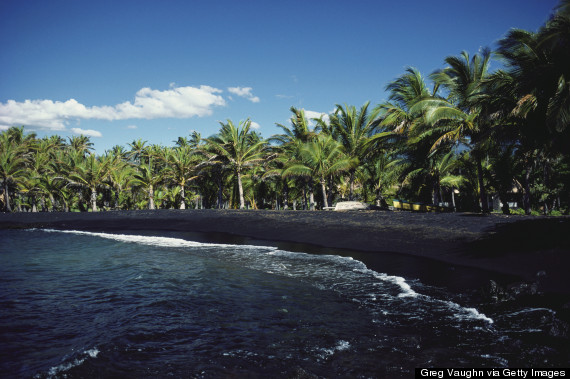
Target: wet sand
{"points": [[512, 245]]}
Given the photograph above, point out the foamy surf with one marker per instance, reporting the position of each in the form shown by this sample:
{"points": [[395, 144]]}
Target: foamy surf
{"points": [[345, 275], [154, 240]]}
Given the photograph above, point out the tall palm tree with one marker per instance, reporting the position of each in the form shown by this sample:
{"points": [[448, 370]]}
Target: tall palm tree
{"points": [[457, 118], [181, 166], [120, 173], [15, 156], [239, 149], [92, 174], [320, 158], [147, 177], [353, 128], [12, 170], [299, 132]]}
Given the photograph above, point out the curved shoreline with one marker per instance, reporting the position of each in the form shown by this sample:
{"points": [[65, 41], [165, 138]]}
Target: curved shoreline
{"points": [[510, 245]]}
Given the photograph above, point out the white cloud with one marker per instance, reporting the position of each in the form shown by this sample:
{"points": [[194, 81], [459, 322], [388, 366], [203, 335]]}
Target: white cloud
{"points": [[132, 127], [255, 125], [312, 114], [179, 102], [86, 132], [244, 92]]}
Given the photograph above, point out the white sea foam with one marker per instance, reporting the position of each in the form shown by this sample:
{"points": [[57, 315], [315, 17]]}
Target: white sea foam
{"points": [[91, 353], [464, 313], [154, 240], [407, 291], [326, 352]]}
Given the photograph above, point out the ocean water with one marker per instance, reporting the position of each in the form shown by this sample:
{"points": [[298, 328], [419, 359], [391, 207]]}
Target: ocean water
{"points": [[82, 304]]}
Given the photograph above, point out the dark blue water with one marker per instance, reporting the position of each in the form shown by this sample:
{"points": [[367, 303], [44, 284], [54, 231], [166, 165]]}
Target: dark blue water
{"points": [[78, 304]]}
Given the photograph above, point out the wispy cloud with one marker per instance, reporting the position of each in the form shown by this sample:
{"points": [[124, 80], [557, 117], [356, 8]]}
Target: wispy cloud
{"points": [[132, 127], [86, 132], [255, 125], [176, 102], [244, 92]]}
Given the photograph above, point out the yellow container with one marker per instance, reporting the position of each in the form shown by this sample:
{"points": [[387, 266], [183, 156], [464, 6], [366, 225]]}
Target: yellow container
{"points": [[407, 206], [397, 204], [417, 207]]}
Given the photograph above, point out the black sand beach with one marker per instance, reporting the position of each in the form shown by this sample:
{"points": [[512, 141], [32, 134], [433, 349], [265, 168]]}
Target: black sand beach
{"points": [[516, 246]]}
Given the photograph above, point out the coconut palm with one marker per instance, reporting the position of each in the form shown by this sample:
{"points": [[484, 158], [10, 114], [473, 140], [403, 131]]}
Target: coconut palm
{"points": [[320, 158], [353, 129], [120, 174], [149, 179], [81, 144], [138, 151], [15, 152], [238, 148], [457, 119], [12, 170], [91, 174], [181, 167]]}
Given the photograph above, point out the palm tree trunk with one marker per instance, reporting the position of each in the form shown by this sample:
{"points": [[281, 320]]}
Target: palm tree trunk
{"points": [[7, 197], [434, 198], [182, 198], [351, 186], [305, 204], [285, 196], [94, 199], [151, 198], [526, 194], [117, 193], [220, 193], [240, 189], [311, 198], [324, 189], [453, 199], [482, 192], [53, 202]]}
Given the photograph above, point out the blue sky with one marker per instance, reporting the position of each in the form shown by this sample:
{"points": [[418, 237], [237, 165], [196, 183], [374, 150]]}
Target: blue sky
{"points": [[122, 70]]}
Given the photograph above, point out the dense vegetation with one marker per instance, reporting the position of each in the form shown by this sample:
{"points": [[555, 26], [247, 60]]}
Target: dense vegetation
{"points": [[464, 138]]}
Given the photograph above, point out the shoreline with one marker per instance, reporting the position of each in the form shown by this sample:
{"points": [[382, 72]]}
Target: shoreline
{"points": [[515, 246]]}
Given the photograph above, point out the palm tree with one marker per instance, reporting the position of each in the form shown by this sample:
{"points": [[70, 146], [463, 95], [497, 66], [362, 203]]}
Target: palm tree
{"points": [[15, 154], [147, 177], [320, 158], [398, 113], [120, 174], [288, 149], [181, 165], [353, 129], [81, 144], [239, 149], [139, 150], [91, 174], [382, 174], [457, 118], [12, 170]]}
